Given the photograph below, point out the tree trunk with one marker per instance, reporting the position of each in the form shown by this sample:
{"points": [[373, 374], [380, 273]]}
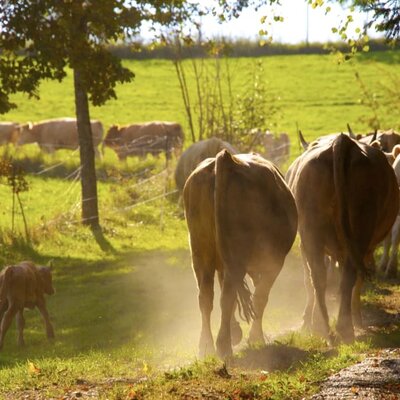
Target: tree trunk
{"points": [[90, 211]]}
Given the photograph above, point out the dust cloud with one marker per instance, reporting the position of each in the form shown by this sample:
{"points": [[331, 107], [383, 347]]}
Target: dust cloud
{"points": [[173, 322]]}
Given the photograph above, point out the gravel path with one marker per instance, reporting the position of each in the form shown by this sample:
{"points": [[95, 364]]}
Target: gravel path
{"points": [[377, 377]]}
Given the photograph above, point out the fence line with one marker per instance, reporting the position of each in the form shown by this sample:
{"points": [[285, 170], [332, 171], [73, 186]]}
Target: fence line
{"points": [[56, 165]]}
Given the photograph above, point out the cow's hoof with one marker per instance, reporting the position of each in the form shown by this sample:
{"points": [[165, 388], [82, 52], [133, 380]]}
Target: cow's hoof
{"points": [[256, 337], [391, 272], [357, 321], [382, 267], [346, 334], [224, 350], [225, 354], [236, 333], [206, 348]]}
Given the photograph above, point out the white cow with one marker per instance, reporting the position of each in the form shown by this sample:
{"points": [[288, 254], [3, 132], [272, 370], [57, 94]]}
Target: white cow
{"points": [[8, 132], [56, 134]]}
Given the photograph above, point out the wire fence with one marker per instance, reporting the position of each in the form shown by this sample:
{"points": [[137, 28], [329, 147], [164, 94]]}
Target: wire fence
{"points": [[68, 199]]}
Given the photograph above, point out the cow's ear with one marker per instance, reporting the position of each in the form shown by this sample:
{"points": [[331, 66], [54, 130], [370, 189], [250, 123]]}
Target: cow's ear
{"points": [[396, 151], [376, 144]]}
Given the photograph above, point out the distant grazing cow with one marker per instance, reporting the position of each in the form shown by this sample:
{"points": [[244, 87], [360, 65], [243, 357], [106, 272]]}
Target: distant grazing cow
{"points": [[196, 153], [242, 219], [8, 132], [56, 134], [24, 286], [277, 148], [388, 264], [387, 139], [347, 198], [148, 138]]}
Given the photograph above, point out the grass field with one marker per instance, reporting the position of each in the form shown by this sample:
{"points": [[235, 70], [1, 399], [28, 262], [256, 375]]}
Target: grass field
{"points": [[315, 91], [126, 319]]}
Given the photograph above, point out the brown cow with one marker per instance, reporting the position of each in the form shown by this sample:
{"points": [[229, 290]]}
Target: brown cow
{"points": [[24, 286], [242, 219], [347, 199], [387, 139], [147, 138], [388, 264], [56, 134], [8, 132], [196, 153]]}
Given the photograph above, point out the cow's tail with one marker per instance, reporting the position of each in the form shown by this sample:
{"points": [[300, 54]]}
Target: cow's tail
{"points": [[245, 301], [5, 284], [224, 162], [342, 148]]}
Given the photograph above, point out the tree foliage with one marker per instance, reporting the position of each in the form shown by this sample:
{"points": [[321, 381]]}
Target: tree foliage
{"points": [[384, 15], [40, 38]]}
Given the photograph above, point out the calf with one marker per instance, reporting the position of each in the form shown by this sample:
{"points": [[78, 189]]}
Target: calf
{"points": [[24, 286]]}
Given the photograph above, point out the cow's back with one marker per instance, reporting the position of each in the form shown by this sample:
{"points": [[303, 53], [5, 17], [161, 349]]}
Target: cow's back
{"points": [[261, 224], [63, 133], [196, 153], [20, 284], [345, 191]]}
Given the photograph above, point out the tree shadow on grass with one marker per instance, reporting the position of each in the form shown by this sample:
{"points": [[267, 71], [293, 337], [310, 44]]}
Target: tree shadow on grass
{"points": [[102, 241]]}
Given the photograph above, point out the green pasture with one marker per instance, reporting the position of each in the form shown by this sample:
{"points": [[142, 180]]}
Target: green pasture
{"points": [[125, 310], [315, 91]]}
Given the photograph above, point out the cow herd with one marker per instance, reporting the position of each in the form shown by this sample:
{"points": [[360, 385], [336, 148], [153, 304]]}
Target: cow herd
{"points": [[342, 196], [153, 137]]}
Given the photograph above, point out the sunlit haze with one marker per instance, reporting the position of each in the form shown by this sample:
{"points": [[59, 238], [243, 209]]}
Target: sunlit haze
{"points": [[300, 23]]}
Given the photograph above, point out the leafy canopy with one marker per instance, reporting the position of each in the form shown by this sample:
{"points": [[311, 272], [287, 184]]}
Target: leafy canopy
{"points": [[39, 38]]}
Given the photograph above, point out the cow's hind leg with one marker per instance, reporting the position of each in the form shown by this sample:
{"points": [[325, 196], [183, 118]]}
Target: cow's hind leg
{"points": [[344, 324], [356, 302], [6, 321], [3, 309], [228, 302], [263, 284], [236, 330], [307, 315], [385, 255], [205, 272], [391, 269], [20, 327], [318, 274]]}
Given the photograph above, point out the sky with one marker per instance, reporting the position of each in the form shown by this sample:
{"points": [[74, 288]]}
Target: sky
{"points": [[293, 29]]}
